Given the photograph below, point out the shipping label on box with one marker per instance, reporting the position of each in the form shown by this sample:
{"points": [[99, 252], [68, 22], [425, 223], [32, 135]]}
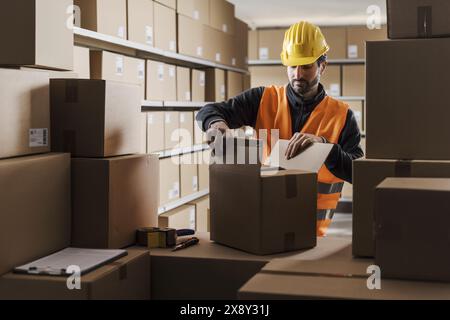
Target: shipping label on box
{"points": [[353, 51], [119, 65], [335, 89], [192, 218], [160, 72], [121, 32], [141, 70], [263, 53], [149, 35], [38, 138]]}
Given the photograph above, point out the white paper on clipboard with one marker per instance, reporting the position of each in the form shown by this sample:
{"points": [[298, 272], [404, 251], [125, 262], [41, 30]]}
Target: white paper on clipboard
{"points": [[310, 159]]}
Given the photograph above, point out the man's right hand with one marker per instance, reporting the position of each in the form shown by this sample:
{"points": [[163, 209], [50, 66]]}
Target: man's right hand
{"points": [[217, 128]]}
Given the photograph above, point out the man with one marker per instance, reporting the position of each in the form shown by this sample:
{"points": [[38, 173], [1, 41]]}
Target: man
{"points": [[303, 114]]}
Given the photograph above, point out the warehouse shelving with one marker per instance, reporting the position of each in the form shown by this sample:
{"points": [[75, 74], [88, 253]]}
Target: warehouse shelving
{"points": [[95, 40], [276, 62], [181, 151], [150, 106], [182, 201]]}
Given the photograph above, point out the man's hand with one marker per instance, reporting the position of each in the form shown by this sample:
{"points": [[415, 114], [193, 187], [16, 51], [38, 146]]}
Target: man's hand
{"points": [[215, 129], [299, 142]]}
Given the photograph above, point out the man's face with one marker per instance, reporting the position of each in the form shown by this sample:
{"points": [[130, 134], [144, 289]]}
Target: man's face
{"points": [[305, 79]]}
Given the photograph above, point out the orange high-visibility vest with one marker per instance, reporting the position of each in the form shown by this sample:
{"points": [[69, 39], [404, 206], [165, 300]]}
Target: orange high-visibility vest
{"points": [[327, 120]]}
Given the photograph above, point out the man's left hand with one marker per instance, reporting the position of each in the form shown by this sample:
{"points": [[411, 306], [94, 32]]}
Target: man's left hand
{"points": [[299, 142]]}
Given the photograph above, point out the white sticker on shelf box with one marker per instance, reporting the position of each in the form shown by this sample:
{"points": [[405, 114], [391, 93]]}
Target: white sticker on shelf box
{"points": [[149, 35], [192, 218], [168, 118], [202, 79], [196, 15], [150, 119], [200, 51], [218, 57], [188, 95], [335, 89], [195, 183], [38, 137], [172, 71], [353, 51], [121, 32], [182, 117], [141, 70], [161, 72], [176, 189], [172, 45], [222, 91], [224, 28], [233, 61], [263, 53], [119, 65]]}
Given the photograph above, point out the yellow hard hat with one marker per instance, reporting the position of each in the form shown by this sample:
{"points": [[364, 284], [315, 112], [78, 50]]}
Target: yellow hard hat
{"points": [[303, 44]]}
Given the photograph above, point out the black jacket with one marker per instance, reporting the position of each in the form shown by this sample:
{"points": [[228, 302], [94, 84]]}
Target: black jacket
{"points": [[242, 110]]}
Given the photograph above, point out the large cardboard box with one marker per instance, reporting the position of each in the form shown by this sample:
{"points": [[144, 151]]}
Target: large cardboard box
{"points": [[186, 129], [188, 174], [198, 85], [216, 46], [411, 228], [169, 184], [222, 16], [195, 9], [202, 219], [353, 81], [275, 210], [270, 43], [180, 218], [215, 90], [165, 28], [422, 133], [95, 118], [81, 62], [241, 43], [161, 81], [103, 16], [212, 271], [262, 76], [24, 112], [331, 80], [141, 27], [34, 208], [247, 79], [191, 37], [171, 130], [183, 84], [155, 131], [127, 278], [235, 84], [357, 36], [168, 3], [253, 48], [112, 198], [367, 174], [36, 33], [418, 19], [336, 38]]}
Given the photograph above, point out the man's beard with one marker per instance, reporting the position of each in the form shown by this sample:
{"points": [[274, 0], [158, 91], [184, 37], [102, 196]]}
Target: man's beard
{"points": [[303, 87]]}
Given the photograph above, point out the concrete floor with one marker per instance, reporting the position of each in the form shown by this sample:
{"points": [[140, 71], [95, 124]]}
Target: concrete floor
{"points": [[341, 225]]}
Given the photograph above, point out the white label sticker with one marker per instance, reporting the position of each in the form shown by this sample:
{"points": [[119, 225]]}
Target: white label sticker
{"points": [[196, 15], [218, 57], [172, 45], [222, 91], [233, 61], [172, 71], [168, 118], [141, 70], [121, 32], [263, 53], [202, 79], [161, 72], [38, 138], [200, 51], [188, 96], [119, 65], [224, 28], [335, 89], [182, 117], [192, 218], [150, 119], [353, 51], [149, 35], [194, 183], [176, 189]]}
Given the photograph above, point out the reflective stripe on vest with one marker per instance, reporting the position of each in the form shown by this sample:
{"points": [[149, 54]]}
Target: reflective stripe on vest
{"points": [[327, 120]]}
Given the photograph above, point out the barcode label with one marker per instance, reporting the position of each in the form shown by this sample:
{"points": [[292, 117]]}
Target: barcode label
{"points": [[196, 15], [161, 72], [119, 65], [176, 189], [353, 51], [141, 71], [202, 79], [222, 91], [121, 32], [38, 138], [335, 89], [192, 218], [233, 61], [263, 53], [218, 57], [194, 183], [200, 51], [225, 28], [149, 35]]}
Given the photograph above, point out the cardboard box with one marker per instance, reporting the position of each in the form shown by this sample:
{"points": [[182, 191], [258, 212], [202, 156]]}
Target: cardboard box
{"points": [[81, 62], [221, 14], [140, 21], [35, 34], [331, 80], [95, 118], [183, 84], [211, 271], [270, 43], [216, 46], [367, 174], [165, 28], [168, 3], [191, 37], [35, 190], [215, 85], [235, 82], [188, 174], [422, 134], [353, 81], [275, 210], [204, 161], [358, 110], [180, 218], [102, 16], [186, 129], [241, 44], [253, 48], [262, 76], [198, 85], [418, 19], [357, 36], [24, 112], [161, 81], [169, 180], [247, 79], [195, 9], [336, 38], [411, 228], [125, 279], [171, 130], [112, 198], [155, 131], [202, 214]]}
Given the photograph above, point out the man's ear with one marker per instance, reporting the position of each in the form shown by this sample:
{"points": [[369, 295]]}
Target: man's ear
{"points": [[323, 66]]}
